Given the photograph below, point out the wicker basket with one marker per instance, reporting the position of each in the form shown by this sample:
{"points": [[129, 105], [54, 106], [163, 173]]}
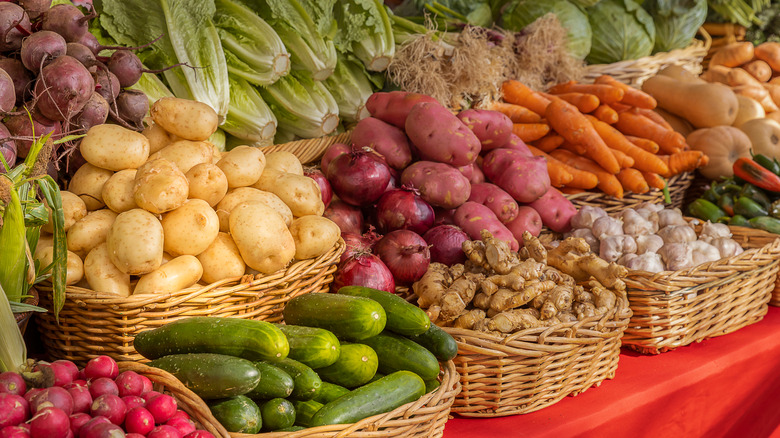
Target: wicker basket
{"points": [[309, 150], [23, 318], [90, 324], [678, 185], [535, 368], [674, 309], [634, 72], [423, 418]]}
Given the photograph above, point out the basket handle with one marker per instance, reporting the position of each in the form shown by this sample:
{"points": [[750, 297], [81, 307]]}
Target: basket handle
{"points": [[707, 38]]}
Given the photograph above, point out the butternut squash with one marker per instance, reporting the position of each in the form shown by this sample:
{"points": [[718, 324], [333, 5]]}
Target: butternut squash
{"points": [[678, 124], [680, 73], [723, 145], [703, 104], [769, 52], [759, 94], [759, 69], [717, 73], [764, 135], [748, 109], [733, 55]]}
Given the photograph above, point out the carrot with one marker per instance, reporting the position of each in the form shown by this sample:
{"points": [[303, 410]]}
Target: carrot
{"points": [[636, 124], [519, 94], [654, 180], [619, 107], [580, 178], [584, 102], [529, 132], [685, 161], [654, 116], [607, 182], [623, 159], [572, 190], [606, 114], [517, 113], [643, 160], [631, 96], [575, 128], [644, 143], [574, 148], [605, 93], [559, 174], [633, 181], [549, 142]]}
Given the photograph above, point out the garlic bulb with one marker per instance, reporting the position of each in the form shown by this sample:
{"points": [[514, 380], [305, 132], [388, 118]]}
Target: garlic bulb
{"points": [[586, 216], [677, 234], [726, 246], [648, 243], [607, 226], [613, 247], [703, 252], [677, 256], [586, 234], [710, 231], [625, 259], [649, 261], [672, 216], [635, 225]]}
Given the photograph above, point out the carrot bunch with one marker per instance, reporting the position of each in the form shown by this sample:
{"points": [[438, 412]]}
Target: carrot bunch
{"points": [[603, 135]]}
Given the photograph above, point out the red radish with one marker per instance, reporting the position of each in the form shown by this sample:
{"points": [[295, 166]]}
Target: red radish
{"points": [[103, 385], [325, 190], [403, 209], [133, 435], [12, 383], [87, 427], [406, 255], [104, 430], [347, 217], [446, 244], [359, 243], [55, 396], [184, 426], [359, 177], [76, 383], [101, 366], [180, 414], [78, 420], [15, 432], [332, 152], [162, 407], [82, 399], [50, 423], [139, 420], [26, 426], [199, 434], [109, 406], [164, 431], [32, 393], [147, 384], [61, 374], [67, 367], [14, 409], [148, 395], [132, 401], [363, 269]]}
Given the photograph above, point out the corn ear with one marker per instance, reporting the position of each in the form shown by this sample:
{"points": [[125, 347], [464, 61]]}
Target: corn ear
{"points": [[51, 193], [13, 351]]}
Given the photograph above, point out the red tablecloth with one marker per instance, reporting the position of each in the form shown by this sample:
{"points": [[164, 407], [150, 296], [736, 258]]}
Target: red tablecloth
{"points": [[727, 386]]}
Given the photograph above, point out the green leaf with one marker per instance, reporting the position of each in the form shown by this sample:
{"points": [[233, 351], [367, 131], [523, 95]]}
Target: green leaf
{"points": [[13, 351], [52, 194]]}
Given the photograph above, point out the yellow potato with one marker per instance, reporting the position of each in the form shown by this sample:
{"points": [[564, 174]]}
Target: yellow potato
{"points": [[221, 259], [207, 182], [157, 136], [160, 186], [242, 166], [216, 154], [118, 191], [88, 183], [243, 195], [114, 147], [284, 161], [90, 232], [262, 238], [73, 209], [179, 273], [44, 240], [135, 242], [166, 258], [188, 119], [190, 229], [102, 275], [314, 236], [75, 267], [300, 193], [185, 154]]}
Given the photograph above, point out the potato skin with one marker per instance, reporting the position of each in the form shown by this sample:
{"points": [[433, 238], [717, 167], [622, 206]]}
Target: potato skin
{"points": [[300, 193], [135, 242], [263, 239], [384, 138], [440, 185], [393, 106], [283, 161], [114, 147], [527, 219], [118, 191], [314, 236], [102, 275], [440, 136], [244, 195], [492, 128], [75, 267], [88, 183], [189, 229], [179, 273], [157, 136], [185, 154], [160, 186], [221, 260], [207, 182], [188, 119], [524, 178], [90, 231], [242, 166], [73, 208], [496, 199], [555, 210], [473, 218]]}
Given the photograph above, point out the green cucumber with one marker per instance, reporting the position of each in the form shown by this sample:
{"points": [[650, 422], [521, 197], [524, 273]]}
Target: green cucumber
{"points": [[403, 317], [307, 382], [376, 377], [237, 414], [438, 342], [291, 429], [247, 338], [211, 376], [304, 410], [277, 413], [274, 383], [312, 346], [356, 365], [347, 317], [329, 392], [374, 398], [399, 353], [431, 385]]}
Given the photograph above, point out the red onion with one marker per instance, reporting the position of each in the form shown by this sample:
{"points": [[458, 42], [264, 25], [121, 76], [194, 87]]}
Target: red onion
{"points": [[325, 191], [347, 217], [363, 269], [446, 243], [403, 209], [359, 243], [332, 152], [444, 216], [359, 177], [395, 179], [406, 254]]}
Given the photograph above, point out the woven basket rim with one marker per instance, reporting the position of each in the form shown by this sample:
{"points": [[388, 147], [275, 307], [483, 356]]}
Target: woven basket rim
{"points": [[310, 149]]}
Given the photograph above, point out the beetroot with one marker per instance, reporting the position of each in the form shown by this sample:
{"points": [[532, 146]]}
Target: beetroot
{"points": [[35, 8], [87, 427], [63, 88], [363, 269], [12, 19], [83, 54], [132, 401], [101, 366], [405, 254], [139, 420], [403, 209], [199, 434], [14, 409], [349, 218], [326, 192], [91, 42], [55, 396], [82, 399], [8, 150], [15, 432], [133, 106], [107, 85], [185, 426], [126, 66], [12, 383], [7, 93], [21, 126], [51, 423], [162, 407], [164, 431], [129, 383], [41, 48], [19, 75], [446, 242], [102, 385], [109, 406], [358, 178], [78, 420], [67, 20]]}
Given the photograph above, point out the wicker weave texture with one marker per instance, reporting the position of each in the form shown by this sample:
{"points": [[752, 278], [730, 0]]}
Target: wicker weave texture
{"points": [[678, 185], [309, 150], [90, 324], [535, 368]]}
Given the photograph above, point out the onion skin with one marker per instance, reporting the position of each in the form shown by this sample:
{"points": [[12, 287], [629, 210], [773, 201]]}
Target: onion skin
{"points": [[446, 242], [349, 218], [363, 269], [403, 209], [358, 178], [357, 243], [406, 255], [326, 192]]}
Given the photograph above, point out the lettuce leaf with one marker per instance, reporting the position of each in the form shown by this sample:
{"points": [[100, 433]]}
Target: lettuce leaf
{"points": [[303, 106], [249, 118], [350, 86], [366, 31]]}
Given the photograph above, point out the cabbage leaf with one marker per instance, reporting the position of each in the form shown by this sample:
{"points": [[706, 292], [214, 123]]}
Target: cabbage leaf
{"points": [[622, 30], [676, 22], [366, 31], [521, 13]]}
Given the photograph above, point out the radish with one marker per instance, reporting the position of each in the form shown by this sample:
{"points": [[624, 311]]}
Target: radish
{"points": [[67, 367], [200, 434], [50, 423], [148, 395], [31, 394], [54, 374], [139, 420], [162, 407], [12, 383], [41, 48], [180, 414], [55, 396], [76, 383], [67, 20], [164, 431], [133, 435], [82, 399], [14, 25], [92, 424], [109, 406], [63, 88], [103, 430], [132, 401], [14, 432], [184, 426], [78, 420], [129, 383], [101, 366], [103, 385], [14, 409], [147, 384]]}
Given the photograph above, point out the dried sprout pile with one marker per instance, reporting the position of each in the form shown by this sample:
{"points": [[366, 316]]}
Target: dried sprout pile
{"points": [[501, 292]]}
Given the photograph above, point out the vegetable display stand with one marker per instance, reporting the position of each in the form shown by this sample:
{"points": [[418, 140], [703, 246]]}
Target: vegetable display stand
{"points": [[309, 150], [674, 309], [93, 324], [24, 317], [678, 185], [634, 72], [423, 418], [535, 368]]}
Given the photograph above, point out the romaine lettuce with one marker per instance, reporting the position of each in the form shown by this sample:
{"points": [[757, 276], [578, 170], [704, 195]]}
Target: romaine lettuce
{"points": [[350, 86], [366, 31], [249, 118], [302, 106]]}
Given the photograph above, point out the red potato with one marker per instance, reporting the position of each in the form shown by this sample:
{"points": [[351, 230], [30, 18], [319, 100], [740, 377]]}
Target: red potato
{"points": [[492, 128], [517, 144], [473, 218], [524, 178], [527, 219], [393, 107], [555, 210], [440, 185], [384, 138], [473, 173], [440, 136], [496, 199]]}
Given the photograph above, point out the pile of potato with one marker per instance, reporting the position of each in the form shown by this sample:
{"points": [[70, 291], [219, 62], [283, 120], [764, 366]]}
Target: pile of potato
{"points": [[159, 211]]}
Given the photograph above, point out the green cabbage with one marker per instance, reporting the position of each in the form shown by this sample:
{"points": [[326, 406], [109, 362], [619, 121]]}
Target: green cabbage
{"points": [[676, 22], [249, 118], [303, 107], [622, 30], [521, 13]]}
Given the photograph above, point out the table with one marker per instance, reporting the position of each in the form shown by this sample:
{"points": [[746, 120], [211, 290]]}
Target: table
{"points": [[727, 386]]}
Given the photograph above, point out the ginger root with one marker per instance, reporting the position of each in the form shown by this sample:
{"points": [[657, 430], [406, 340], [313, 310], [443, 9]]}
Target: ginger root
{"points": [[432, 286], [498, 254], [513, 320], [458, 296], [469, 319], [533, 248], [572, 256], [506, 299]]}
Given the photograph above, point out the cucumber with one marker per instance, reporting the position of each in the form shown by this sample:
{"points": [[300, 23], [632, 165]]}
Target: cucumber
{"points": [[347, 317], [312, 346], [211, 376], [376, 377], [237, 414], [304, 410], [438, 342], [329, 392], [356, 365], [277, 413], [399, 353], [306, 381], [291, 429], [432, 384], [274, 383], [247, 338], [403, 317], [375, 398]]}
